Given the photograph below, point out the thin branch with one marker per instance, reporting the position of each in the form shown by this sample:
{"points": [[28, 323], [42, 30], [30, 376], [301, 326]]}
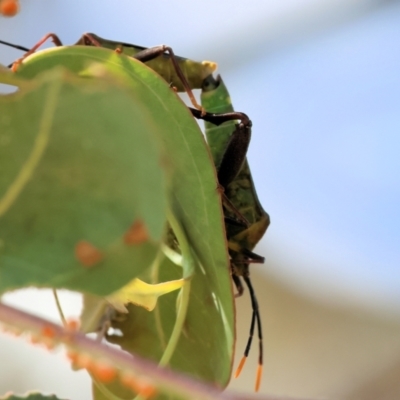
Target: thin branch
{"points": [[163, 379]]}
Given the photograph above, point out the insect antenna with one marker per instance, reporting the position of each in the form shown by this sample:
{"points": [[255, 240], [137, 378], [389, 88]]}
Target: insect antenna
{"points": [[16, 46]]}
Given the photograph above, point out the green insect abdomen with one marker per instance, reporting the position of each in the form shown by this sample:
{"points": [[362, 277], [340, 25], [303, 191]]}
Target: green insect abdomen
{"points": [[241, 191]]}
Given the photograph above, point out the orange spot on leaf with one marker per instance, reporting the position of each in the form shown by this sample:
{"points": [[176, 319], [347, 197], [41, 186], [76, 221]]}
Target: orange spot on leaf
{"points": [[148, 391], [48, 332], [11, 330], [136, 234], [84, 360], [87, 254], [139, 385], [48, 335], [104, 371], [72, 355], [34, 339], [50, 344], [72, 324]]}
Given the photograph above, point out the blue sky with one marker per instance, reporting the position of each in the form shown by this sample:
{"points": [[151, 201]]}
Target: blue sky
{"points": [[329, 149], [325, 109]]}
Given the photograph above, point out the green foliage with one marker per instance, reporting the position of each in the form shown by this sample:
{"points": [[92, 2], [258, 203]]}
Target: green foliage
{"points": [[113, 144], [30, 396], [77, 174], [204, 349]]}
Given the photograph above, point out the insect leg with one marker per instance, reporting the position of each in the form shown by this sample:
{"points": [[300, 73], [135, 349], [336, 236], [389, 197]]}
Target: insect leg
{"points": [[236, 149], [55, 39], [248, 345], [235, 152], [153, 52], [253, 257], [255, 318], [238, 284], [234, 222], [150, 54]]}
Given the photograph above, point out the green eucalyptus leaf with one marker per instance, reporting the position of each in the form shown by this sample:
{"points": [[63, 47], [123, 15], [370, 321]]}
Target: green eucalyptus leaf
{"points": [[205, 346], [72, 172]]}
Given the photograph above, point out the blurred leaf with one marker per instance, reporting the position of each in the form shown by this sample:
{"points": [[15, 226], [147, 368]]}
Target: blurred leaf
{"points": [[205, 346], [30, 396], [71, 171]]}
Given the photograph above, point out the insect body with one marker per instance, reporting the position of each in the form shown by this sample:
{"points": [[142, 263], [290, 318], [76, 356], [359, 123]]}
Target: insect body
{"points": [[194, 72], [228, 142], [228, 149]]}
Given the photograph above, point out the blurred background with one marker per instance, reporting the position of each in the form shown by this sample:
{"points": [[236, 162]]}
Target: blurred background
{"points": [[320, 81]]}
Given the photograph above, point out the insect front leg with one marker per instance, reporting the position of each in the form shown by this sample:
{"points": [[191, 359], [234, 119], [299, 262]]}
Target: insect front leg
{"points": [[237, 146], [234, 155]]}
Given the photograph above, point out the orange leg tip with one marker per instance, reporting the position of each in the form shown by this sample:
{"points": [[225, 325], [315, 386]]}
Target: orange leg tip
{"points": [[15, 65], [240, 366], [258, 377]]}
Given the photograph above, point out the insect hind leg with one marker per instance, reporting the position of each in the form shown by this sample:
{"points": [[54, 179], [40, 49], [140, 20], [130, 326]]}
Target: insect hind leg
{"points": [[255, 319], [238, 284], [253, 257]]}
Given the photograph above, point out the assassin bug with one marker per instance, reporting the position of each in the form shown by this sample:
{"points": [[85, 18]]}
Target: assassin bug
{"points": [[228, 143], [245, 219]]}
